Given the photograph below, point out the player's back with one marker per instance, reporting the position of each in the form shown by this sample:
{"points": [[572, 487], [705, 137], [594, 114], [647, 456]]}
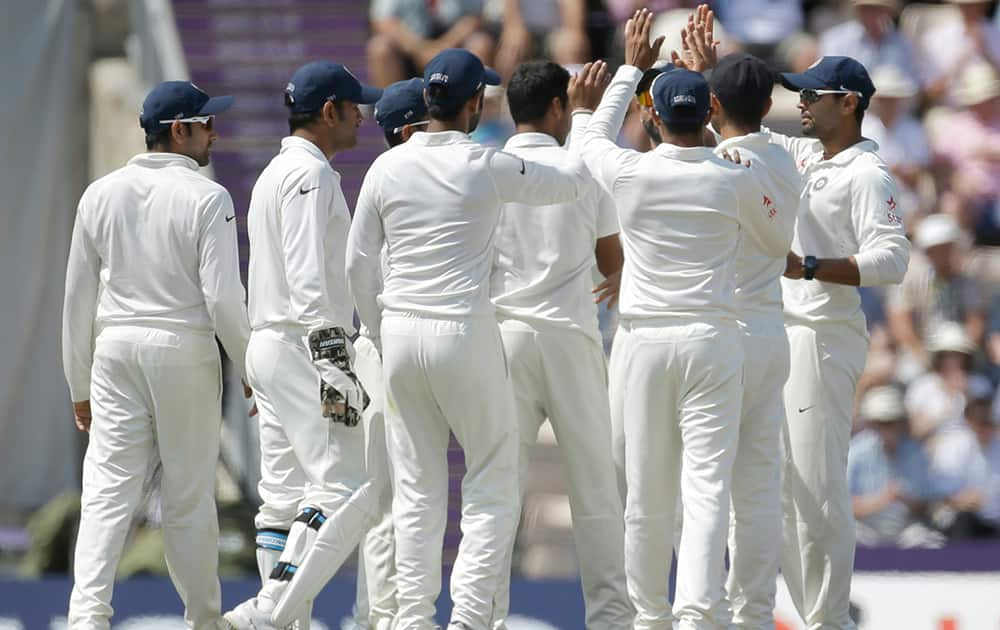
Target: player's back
{"points": [[146, 221], [679, 210], [439, 207], [545, 257], [758, 290]]}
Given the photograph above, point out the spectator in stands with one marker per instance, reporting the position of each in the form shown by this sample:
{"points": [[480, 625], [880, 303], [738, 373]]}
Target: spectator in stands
{"points": [[957, 44], [901, 139], [552, 29], [760, 25], [968, 139], [937, 399], [873, 39], [933, 291], [406, 34], [965, 464], [887, 476]]}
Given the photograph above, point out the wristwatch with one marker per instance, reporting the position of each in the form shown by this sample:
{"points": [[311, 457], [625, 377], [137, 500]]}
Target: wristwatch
{"points": [[809, 267]]}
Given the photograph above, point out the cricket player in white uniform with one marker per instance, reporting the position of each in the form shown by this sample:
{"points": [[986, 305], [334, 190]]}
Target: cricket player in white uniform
{"points": [[541, 287], [153, 276], [434, 203], [849, 234], [741, 91], [400, 112], [314, 483], [678, 359]]}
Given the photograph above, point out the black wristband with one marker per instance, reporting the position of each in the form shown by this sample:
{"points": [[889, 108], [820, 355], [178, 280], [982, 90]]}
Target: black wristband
{"points": [[810, 265]]}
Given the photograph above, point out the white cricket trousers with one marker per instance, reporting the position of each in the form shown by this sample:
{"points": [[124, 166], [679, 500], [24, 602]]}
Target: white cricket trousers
{"points": [[818, 554], [754, 543], [680, 387], [375, 603], [154, 393], [449, 375], [560, 374], [305, 459]]}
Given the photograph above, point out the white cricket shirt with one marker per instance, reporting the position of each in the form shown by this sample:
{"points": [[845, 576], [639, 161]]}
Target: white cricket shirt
{"points": [[154, 244], [545, 259], [847, 208], [681, 210], [757, 275], [298, 224], [434, 202]]}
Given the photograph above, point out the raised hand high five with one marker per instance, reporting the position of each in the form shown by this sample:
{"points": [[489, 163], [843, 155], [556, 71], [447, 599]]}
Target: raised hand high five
{"points": [[638, 51], [699, 48], [587, 86]]}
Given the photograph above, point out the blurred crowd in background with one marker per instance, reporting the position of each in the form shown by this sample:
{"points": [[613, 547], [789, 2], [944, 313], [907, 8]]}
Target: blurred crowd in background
{"points": [[925, 462]]}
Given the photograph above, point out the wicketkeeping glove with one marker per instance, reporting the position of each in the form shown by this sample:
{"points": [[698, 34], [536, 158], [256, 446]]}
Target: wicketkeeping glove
{"points": [[341, 395]]}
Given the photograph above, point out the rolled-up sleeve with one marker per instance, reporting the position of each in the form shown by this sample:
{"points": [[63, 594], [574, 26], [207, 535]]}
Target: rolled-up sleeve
{"points": [[883, 249]]}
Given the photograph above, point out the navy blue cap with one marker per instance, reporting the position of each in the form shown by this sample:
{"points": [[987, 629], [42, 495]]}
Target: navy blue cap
{"points": [[461, 72], [173, 100], [315, 83], [681, 96], [833, 73], [402, 103]]}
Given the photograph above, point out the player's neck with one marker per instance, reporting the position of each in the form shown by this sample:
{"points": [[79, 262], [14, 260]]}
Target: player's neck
{"points": [[459, 124], [686, 141], [325, 146], [840, 140], [533, 128], [732, 130]]}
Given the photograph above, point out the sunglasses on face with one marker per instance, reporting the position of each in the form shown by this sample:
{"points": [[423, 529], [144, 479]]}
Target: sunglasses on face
{"points": [[207, 121], [644, 98], [809, 96]]}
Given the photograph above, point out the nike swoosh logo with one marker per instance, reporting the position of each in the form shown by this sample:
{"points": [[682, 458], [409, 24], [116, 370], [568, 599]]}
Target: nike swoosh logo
{"points": [[228, 219], [522, 167], [805, 409], [303, 191]]}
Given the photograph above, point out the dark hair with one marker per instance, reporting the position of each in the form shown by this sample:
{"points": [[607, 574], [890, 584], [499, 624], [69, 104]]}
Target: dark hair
{"points": [[158, 138], [300, 120], [446, 113], [685, 128], [532, 88], [394, 139], [162, 138]]}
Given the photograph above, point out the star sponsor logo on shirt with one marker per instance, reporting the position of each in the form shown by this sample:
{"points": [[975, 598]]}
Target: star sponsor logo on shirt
{"points": [[771, 210], [891, 213]]}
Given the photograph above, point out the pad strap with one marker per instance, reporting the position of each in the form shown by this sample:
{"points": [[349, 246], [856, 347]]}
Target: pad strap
{"points": [[273, 539]]}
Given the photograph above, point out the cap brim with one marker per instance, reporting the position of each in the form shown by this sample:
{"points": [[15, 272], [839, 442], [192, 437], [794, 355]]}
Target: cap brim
{"points": [[796, 81], [216, 105], [369, 95], [492, 77]]}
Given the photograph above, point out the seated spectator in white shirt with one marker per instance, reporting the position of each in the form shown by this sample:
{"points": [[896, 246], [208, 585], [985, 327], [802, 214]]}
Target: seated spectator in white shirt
{"points": [[900, 136], [887, 476], [937, 399], [956, 44], [965, 466], [934, 290], [873, 39]]}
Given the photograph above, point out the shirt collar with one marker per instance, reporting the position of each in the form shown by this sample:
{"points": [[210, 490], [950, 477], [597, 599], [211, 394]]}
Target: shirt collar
{"points": [[531, 139], [432, 138], [295, 142], [163, 160], [750, 140], [687, 154], [847, 155]]}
